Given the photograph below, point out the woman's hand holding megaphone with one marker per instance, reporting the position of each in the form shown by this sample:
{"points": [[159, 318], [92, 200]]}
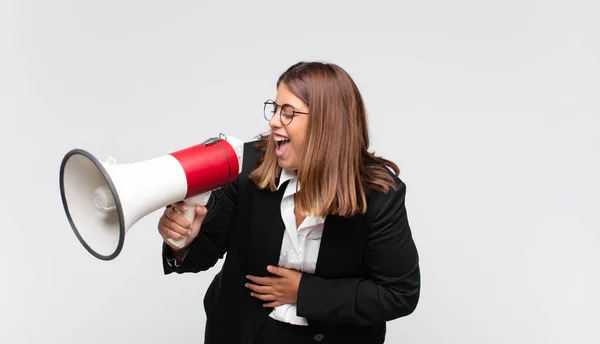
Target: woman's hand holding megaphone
{"points": [[173, 225]]}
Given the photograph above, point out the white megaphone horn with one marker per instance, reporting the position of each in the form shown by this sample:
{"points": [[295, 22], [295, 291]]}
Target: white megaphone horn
{"points": [[103, 200]]}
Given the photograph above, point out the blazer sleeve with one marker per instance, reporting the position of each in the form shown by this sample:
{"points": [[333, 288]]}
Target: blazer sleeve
{"points": [[391, 286]]}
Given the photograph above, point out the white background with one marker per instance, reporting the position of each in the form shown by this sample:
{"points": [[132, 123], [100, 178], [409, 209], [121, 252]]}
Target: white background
{"points": [[490, 108]]}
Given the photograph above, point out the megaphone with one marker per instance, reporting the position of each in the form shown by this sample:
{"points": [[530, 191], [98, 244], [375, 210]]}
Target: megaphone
{"points": [[103, 200]]}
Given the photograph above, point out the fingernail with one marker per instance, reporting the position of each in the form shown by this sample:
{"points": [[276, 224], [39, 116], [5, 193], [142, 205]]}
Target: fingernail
{"points": [[269, 268], [246, 285], [184, 208]]}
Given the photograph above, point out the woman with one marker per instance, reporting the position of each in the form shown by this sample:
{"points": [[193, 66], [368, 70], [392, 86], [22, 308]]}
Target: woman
{"points": [[318, 244]]}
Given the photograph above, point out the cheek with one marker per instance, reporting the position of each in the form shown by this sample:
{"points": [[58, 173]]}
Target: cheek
{"points": [[302, 134], [299, 138], [299, 148]]}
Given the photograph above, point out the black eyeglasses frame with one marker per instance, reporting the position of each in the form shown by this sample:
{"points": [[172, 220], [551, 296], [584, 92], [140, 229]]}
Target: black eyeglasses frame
{"points": [[281, 112]]}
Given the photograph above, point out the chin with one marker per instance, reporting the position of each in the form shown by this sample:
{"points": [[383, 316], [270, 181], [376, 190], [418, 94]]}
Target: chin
{"points": [[283, 165], [286, 165]]}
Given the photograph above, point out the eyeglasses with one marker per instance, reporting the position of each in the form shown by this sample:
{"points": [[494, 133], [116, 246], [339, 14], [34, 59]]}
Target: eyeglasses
{"points": [[286, 114]]}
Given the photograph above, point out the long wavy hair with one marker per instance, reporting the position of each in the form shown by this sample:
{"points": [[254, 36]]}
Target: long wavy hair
{"points": [[336, 165]]}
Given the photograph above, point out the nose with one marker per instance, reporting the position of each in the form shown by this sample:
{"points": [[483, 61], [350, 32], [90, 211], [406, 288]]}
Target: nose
{"points": [[275, 121]]}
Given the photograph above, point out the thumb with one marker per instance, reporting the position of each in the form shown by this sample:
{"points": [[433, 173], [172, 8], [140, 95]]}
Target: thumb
{"points": [[200, 215]]}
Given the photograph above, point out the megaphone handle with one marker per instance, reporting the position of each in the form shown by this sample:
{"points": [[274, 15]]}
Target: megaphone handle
{"points": [[190, 214]]}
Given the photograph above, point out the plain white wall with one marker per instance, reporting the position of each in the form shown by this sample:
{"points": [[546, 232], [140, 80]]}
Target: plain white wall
{"points": [[490, 108]]}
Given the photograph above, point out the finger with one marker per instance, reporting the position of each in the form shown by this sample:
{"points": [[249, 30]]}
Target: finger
{"points": [[165, 231], [273, 304], [270, 281], [179, 207], [279, 271], [173, 226], [178, 218], [173, 219], [264, 297], [259, 289]]}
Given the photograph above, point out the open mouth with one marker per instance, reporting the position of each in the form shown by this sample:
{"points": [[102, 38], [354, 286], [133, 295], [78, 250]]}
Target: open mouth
{"points": [[282, 144]]}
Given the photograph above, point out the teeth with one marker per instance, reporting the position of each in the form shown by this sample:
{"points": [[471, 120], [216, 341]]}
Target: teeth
{"points": [[280, 138]]}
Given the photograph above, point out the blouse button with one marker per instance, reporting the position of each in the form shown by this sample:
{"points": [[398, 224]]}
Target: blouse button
{"points": [[319, 337]]}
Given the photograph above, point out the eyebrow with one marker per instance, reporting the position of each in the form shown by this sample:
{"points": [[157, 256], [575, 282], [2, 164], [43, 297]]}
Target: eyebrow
{"points": [[292, 105]]}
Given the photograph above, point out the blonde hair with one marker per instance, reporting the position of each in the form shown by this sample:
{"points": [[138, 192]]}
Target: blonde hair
{"points": [[335, 166]]}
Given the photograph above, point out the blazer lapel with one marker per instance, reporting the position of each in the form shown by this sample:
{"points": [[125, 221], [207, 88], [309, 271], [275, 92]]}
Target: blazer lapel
{"points": [[341, 249], [266, 230]]}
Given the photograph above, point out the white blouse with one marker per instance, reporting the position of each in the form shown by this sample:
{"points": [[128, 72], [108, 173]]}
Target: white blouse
{"points": [[300, 246]]}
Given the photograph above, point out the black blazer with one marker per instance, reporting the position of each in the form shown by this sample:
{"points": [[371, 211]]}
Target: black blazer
{"points": [[367, 269]]}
